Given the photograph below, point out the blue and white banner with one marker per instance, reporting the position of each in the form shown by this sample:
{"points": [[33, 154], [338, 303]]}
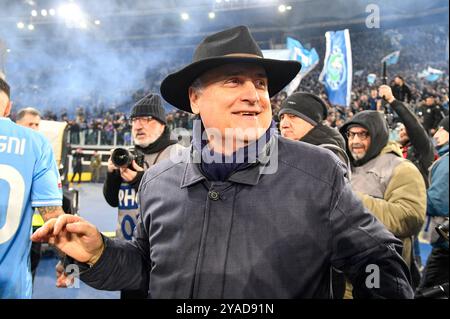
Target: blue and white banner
{"points": [[371, 78], [308, 58], [430, 74], [296, 52], [358, 73], [337, 73], [277, 54], [391, 58]]}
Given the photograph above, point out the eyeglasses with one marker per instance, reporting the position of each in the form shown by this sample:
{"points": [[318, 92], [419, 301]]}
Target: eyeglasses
{"points": [[362, 135], [143, 120]]}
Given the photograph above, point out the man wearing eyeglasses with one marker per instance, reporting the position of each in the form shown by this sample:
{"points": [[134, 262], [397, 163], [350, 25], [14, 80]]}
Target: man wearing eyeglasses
{"points": [[390, 186], [151, 138]]}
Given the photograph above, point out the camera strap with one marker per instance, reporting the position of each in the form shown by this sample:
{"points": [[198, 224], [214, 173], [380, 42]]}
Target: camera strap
{"points": [[156, 158]]}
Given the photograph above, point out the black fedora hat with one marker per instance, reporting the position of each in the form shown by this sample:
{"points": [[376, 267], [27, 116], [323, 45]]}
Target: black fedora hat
{"points": [[235, 45]]}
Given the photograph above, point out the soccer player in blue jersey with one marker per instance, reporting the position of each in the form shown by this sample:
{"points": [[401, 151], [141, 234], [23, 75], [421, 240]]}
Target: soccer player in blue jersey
{"points": [[28, 179]]}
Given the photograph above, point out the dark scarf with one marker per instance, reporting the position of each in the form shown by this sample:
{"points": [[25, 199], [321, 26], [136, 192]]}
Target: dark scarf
{"points": [[160, 144], [229, 164], [323, 134]]}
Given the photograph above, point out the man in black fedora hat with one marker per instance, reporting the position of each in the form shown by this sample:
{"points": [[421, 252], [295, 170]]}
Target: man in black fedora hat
{"points": [[242, 213]]}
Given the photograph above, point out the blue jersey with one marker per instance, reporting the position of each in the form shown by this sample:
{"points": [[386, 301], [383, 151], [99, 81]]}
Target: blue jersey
{"points": [[28, 178]]}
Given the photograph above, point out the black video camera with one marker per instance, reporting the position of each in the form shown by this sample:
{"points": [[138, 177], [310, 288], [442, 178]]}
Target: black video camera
{"points": [[122, 157]]}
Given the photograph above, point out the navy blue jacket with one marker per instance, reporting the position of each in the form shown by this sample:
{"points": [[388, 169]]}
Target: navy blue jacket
{"points": [[273, 230]]}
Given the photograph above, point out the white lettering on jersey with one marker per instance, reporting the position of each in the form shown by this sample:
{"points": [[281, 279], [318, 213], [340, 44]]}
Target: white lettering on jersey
{"points": [[15, 201], [127, 198], [12, 145]]}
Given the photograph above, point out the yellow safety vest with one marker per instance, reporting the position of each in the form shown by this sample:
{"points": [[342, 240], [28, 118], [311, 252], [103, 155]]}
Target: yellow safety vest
{"points": [[38, 221]]}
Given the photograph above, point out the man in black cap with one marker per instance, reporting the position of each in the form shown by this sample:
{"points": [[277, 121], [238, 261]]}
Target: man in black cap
{"points": [[152, 141], [401, 91], [431, 113], [301, 119], [242, 213]]}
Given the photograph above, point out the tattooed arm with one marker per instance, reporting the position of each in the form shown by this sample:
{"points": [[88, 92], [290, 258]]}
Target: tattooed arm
{"points": [[49, 212]]}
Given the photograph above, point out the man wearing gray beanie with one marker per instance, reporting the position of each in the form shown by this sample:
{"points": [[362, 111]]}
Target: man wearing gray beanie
{"points": [[152, 141]]}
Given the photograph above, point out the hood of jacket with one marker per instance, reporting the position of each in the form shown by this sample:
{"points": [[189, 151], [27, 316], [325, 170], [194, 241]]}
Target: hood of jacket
{"points": [[376, 125]]}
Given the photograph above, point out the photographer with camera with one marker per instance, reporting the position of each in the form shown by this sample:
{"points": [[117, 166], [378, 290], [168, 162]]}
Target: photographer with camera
{"points": [[126, 167]]}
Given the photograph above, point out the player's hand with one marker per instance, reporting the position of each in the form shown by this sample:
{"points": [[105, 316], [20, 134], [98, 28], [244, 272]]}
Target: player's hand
{"points": [[73, 236], [385, 92], [130, 174]]}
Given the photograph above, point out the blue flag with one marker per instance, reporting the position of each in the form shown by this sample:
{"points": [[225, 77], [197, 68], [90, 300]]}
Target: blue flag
{"points": [[371, 78], [430, 74], [337, 73], [391, 58], [308, 58]]}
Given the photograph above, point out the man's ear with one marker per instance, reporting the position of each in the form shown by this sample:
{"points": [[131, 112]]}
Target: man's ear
{"points": [[193, 98], [8, 109]]}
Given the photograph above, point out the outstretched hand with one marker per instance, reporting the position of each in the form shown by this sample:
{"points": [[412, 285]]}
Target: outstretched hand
{"points": [[73, 236]]}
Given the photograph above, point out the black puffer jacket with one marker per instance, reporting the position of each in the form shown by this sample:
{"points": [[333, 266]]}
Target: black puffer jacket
{"points": [[322, 135], [420, 149]]}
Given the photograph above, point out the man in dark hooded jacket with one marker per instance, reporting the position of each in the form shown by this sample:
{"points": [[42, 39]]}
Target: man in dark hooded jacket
{"points": [[301, 116], [390, 186]]}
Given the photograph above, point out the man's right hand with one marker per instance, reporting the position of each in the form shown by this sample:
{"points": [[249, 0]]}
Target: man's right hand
{"points": [[73, 236], [111, 166], [385, 92], [129, 175]]}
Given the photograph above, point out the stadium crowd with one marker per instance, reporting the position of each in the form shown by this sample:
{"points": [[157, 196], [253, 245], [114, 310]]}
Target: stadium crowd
{"points": [[89, 120]]}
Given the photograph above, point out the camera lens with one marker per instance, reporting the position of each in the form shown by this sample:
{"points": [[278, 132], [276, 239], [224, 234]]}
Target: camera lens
{"points": [[121, 157]]}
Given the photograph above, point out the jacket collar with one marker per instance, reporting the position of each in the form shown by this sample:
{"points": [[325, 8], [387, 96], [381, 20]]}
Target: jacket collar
{"points": [[443, 150], [249, 176], [192, 174]]}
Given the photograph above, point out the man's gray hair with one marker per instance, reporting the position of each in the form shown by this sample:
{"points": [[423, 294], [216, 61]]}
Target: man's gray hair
{"points": [[197, 85], [28, 110]]}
